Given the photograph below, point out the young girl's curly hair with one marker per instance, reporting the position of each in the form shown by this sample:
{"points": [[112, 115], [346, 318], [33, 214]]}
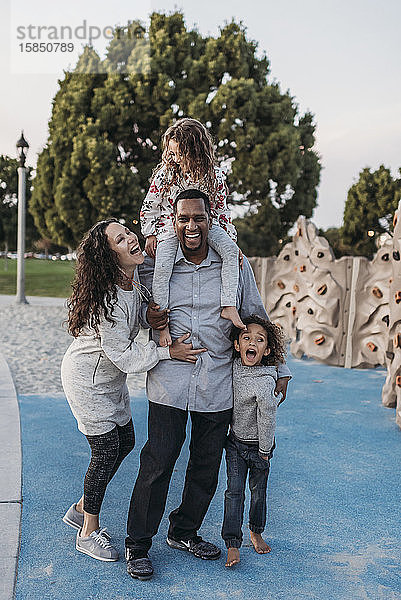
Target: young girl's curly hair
{"points": [[275, 340], [94, 287], [195, 145]]}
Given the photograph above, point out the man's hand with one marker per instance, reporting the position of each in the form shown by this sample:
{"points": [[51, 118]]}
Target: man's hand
{"points": [[157, 319], [150, 246], [281, 386], [182, 351]]}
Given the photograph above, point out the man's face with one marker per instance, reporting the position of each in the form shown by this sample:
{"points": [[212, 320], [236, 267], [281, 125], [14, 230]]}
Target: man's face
{"points": [[192, 224]]}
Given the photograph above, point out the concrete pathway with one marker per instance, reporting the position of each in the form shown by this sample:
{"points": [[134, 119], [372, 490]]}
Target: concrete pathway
{"points": [[6, 299], [334, 497]]}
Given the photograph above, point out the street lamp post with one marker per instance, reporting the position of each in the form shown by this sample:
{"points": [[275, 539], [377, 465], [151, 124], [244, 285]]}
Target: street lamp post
{"points": [[22, 146]]}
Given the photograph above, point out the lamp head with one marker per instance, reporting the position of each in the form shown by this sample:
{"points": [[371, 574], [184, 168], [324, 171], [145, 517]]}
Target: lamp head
{"points": [[22, 145]]}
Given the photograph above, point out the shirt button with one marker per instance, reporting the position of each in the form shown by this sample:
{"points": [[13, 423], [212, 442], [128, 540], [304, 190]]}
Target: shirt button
{"points": [[193, 375], [194, 317], [195, 295]]}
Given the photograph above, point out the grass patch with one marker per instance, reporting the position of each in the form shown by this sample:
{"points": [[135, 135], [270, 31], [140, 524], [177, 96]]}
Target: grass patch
{"points": [[42, 277]]}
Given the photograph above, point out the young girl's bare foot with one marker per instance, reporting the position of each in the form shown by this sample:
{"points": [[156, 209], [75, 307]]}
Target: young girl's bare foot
{"points": [[231, 314], [165, 337], [232, 557], [259, 543]]}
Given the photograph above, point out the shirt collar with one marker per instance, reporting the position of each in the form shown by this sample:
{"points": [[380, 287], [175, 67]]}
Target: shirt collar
{"points": [[212, 256]]}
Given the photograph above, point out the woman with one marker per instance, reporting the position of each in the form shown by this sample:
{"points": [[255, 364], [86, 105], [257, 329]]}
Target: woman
{"points": [[104, 320]]}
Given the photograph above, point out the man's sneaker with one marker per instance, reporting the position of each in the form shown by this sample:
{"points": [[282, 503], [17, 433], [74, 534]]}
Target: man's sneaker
{"points": [[97, 545], [73, 518], [197, 546], [139, 568]]}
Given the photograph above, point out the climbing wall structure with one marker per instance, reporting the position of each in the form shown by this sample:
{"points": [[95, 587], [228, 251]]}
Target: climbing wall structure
{"points": [[336, 311], [391, 394]]}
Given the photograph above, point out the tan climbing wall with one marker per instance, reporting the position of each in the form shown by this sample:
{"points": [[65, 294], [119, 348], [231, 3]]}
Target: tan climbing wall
{"points": [[335, 311], [391, 394]]}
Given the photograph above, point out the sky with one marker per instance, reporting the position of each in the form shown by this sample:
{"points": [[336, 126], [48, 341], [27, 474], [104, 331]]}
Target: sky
{"points": [[339, 59]]}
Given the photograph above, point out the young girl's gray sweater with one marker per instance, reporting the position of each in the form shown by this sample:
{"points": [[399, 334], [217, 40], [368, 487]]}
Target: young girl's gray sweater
{"points": [[255, 405]]}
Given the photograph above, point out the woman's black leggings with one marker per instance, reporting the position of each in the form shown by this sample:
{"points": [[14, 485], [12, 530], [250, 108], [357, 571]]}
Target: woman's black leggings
{"points": [[108, 452]]}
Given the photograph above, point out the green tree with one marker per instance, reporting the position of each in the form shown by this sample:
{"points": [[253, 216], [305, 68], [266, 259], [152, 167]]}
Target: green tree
{"points": [[9, 205], [105, 130], [370, 206]]}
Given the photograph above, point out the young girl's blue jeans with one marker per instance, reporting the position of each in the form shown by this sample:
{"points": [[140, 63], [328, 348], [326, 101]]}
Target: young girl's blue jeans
{"points": [[242, 458]]}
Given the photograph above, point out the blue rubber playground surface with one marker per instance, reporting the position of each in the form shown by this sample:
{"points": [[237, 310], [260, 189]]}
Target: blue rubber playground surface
{"points": [[334, 504]]}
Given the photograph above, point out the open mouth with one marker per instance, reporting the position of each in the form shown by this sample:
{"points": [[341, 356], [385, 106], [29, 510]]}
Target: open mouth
{"points": [[250, 354], [135, 250], [192, 236]]}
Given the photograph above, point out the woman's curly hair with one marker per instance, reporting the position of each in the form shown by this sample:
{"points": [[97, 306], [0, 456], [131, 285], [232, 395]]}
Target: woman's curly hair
{"points": [[275, 340], [94, 287], [196, 147]]}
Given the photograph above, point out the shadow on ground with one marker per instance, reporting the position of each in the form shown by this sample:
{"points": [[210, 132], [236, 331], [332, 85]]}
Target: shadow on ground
{"points": [[334, 497]]}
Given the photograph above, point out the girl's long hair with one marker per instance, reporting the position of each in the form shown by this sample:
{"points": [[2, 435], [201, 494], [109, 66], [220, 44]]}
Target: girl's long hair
{"points": [[94, 287], [196, 147]]}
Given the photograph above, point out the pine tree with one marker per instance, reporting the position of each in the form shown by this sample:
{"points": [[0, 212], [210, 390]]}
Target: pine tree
{"points": [[370, 206]]}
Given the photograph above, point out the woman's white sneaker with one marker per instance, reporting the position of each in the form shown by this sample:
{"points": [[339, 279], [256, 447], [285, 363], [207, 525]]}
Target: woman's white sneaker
{"points": [[97, 545]]}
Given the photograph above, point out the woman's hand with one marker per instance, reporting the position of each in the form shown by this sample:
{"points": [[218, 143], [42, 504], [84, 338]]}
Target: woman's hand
{"points": [[181, 351], [150, 246]]}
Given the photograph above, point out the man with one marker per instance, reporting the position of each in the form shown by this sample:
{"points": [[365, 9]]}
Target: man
{"points": [[202, 388]]}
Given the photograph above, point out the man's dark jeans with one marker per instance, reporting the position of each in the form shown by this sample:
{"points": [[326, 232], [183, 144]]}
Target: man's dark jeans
{"points": [[241, 458], [166, 435]]}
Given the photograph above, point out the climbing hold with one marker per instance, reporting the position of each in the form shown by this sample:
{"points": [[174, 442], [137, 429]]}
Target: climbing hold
{"points": [[395, 219], [288, 304], [385, 257], [396, 255], [398, 380], [397, 297], [302, 268], [322, 290], [281, 285], [286, 257], [397, 340], [320, 254], [299, 232], [377, 292], [296, 252], [386, 320], [319, 340], [372, 347], [296, 288], [310, 311], [294, 310]]}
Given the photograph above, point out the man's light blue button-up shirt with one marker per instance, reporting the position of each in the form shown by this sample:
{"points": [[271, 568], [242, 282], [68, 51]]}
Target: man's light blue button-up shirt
{"points": [[205, 386]]}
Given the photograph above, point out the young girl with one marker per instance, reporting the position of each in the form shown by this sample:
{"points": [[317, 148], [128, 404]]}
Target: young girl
{"points": [[258, 350], [188, 161], [104, 320]]}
